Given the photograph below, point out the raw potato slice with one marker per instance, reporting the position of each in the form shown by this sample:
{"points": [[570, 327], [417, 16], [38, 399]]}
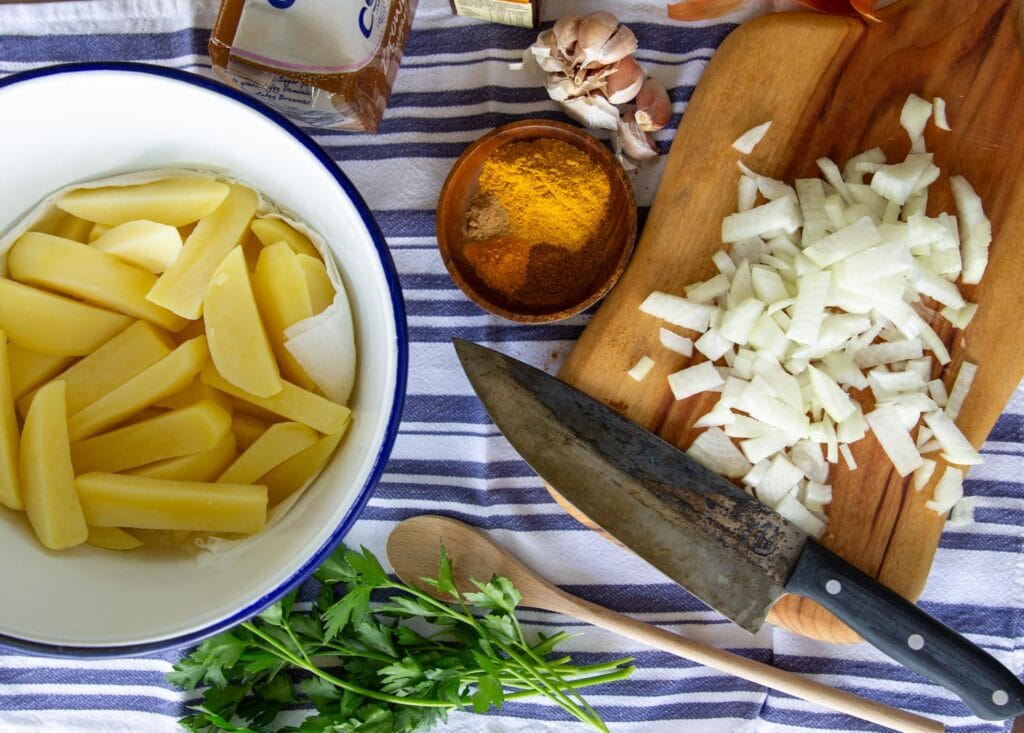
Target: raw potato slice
{"points": [[183, 432], [174, 201], [146, 244], [205, 466], [167, 376], [196, 392], [283, 299], [298, 471], [115, 500], [293, 403], [71, 227], [183, 285], [111, 365], [97, 231], [29, 369], [271, 231], [247, 430], [47, 479], [318, 284], [238, 343], [83, 272], [52, 324], [279, 443], [112, 538], [10, 493]]}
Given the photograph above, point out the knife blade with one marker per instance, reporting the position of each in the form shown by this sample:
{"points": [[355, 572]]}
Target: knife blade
{"points": [[722, 545]]}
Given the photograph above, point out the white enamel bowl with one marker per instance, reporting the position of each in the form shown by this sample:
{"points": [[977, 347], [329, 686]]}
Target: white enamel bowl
{"points": [[74, 123]]}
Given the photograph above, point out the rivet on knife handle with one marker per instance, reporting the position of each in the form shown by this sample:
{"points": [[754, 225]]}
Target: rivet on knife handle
{"points": [[904, 632]]}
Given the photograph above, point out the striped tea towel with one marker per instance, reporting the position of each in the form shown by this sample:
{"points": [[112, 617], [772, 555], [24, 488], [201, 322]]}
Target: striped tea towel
{"points": [[453, 86]]}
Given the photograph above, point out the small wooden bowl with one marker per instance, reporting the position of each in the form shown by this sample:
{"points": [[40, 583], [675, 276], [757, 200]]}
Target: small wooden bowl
{"points": [[618, 229]]}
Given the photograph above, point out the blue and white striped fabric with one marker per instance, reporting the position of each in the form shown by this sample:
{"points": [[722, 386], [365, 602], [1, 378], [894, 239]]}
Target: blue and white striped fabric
{"points": [[455, 85]]}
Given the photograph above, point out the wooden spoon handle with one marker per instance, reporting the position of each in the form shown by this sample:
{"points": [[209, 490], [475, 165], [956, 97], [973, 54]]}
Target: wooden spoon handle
{"points": [[748, 669]]}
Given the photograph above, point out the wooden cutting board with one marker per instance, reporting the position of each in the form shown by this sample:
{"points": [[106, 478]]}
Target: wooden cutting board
{"points": [[835, 86]]}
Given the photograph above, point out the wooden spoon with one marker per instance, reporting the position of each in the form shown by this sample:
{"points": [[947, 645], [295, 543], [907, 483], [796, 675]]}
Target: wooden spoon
{"points": [[413, 549]]}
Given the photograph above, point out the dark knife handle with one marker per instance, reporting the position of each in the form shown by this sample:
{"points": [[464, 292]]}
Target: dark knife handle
{"points": [[904, 632]]}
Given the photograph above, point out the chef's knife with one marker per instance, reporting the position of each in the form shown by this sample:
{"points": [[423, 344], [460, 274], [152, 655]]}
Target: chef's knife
{"points": [[723, 546]]}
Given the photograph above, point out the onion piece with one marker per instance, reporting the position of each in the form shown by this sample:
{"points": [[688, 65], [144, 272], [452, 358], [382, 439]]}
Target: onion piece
{"points": [[674, 342], [811, 195], [809, 309], [835, 179], [961, 317], [708, 290], [790, 508], [781, 214], [695, 379], [924, 473], [847, 454], [895, 439], [642, 368], [780, 478], [833, 399], [913, 118], [739, 322], [898, 181], [948, 491], [746, 193], [937, 389], [715, 451], [961, 386], [746, 142], [975, 230], [757, 449], [678, 311], [939, 112], [955, 447], [847, 241]]}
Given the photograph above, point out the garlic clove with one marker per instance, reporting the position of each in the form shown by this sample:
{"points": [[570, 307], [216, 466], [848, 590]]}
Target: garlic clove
{"points": [[630, 140], [594, 31], [592, 111], [625, 81], [566, 31], [561, 88], [620, 45], [653, 107]]}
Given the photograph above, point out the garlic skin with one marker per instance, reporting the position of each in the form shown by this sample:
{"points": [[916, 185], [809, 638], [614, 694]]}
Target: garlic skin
{"points": [[623, 84], [621, 44], [594, 31], [653, 107], [631, 140], [566, 32]]}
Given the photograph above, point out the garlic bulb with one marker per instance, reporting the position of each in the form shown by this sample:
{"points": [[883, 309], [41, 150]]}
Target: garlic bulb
{"points": [[589, 69]]}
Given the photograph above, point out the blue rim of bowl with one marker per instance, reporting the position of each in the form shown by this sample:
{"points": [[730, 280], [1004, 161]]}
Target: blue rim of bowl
{"points": [[397, 303]]}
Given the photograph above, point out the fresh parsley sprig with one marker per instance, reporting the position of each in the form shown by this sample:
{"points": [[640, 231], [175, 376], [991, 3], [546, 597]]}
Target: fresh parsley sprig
{"points": [[395, 666]]}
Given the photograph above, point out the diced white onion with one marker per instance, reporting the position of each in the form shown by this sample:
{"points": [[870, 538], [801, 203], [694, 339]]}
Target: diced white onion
{"points": [[960, 318], [798, 514], [833, 399], [847, 241], [678, 311], [898, 181], [746, 193], [695, 379], [975, 230], [914, 116], [847, 454], [962, 385], [746, 142], [739, 322], [712, 345], [939, 111], [781, 477], [708, 290], [895, 439], [674, 342], [809, 309], [888, 352], [781, 214], [955, 447], [924, 473], [948, 491], [642, 368], [715, 451], [757, 449]]}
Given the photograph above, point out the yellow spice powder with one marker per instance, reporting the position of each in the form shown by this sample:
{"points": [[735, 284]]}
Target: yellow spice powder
{"points": [[552, 191]]}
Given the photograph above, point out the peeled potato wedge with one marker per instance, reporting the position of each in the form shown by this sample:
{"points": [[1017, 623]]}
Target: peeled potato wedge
{"points": [[112, 538], [318, 284], [116, 500], [296, 472], [175, 433], [10, 491], [145, 244], [196, 392], [270, 231], [283, 299], [82, 271], [280, 442], [292, 402], [174, 201], [71, 227], [165, 377], [52, 324], [247, 429], [204, 466], [29, 369], [47, 478], [239, 345], [182, 287], [97, 231], [136, 348]]}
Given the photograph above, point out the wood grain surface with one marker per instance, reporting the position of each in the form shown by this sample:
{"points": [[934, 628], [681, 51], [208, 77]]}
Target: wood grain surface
{"points": [[834, 86]]}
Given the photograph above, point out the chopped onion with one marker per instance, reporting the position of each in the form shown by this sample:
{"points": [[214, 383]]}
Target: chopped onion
{"points": [[713, 345], [781, 214], [757, 449], [780, 478], [678, 311], [724, 263], [895, 439], [714, 450], [674, 342], [739, 322], [962, 385], [809, 309], [642, 368], [853, 428], [915, 115], [798, 514], [708, 290], [888, 352], [975, 230], [955, 447], [833, 399], [694, 379], [924, 473], [939, 111], [962, 317], [811, 195], [948, 491], [746, 193], [746, 142], [898, 181], [847, 454], [847, 241]]}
